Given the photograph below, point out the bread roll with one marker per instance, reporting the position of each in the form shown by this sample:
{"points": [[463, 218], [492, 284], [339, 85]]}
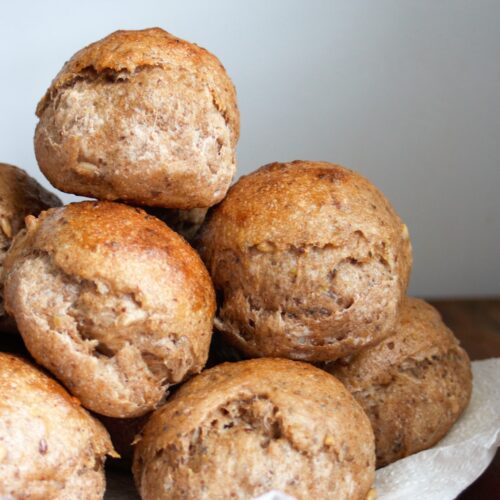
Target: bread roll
{"points": [[50, 447], [140, 116], [20, 195], [241, 429], [413, 385], [112, 301], [309, 259]]}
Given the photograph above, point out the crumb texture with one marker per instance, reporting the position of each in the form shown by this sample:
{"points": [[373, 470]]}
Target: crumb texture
{"points": [[49, 446], [241, 429]]}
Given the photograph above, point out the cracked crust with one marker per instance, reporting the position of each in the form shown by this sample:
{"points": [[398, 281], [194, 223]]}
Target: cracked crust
{"points": [[112, 301], [50, 447], [241, 429], [20, 195], [309, 259], [143, 117], [413, 385]]}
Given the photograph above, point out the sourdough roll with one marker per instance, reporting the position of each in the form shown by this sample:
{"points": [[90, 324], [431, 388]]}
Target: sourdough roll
{"points": [[413, 385], [20, 195], [50, 447], [309, 259], [143, 117], [241, 429], [113, 302]]}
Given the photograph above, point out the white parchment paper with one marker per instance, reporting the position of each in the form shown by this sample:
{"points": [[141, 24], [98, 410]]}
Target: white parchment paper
{"points": [[445, 470]]}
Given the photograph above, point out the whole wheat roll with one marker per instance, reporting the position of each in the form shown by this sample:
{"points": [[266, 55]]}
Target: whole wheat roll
{"points": [[241, 429], [413, 385], [113, 302], [309, 259], [20, 195], [143, 117], [50, 447]]}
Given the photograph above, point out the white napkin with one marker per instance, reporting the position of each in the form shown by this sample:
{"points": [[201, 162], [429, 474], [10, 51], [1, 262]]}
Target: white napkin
{"points": [[445, 470]]}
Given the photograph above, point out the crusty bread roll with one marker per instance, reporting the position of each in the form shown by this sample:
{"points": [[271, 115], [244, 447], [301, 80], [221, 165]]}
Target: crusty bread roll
{"points": [[20, 195], [113, 302], [241, 429], [140, 116], [310, 260], [50, 447], [413, 385]]}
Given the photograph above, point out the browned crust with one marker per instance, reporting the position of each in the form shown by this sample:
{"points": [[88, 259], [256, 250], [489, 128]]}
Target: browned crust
{"points": [[133, 50], [273, 203], [117, 244]]}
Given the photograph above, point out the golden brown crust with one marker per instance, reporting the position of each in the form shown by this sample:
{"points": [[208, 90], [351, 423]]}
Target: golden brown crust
{"points": [[413, 385], [252, 426], [140, 116], [50, 447], [311, 261], [20, 195], [112, 301], [153, 47]]}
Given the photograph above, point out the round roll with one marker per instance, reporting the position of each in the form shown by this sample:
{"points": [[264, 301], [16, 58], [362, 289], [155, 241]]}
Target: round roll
{"points": [[20, 195], [50, 447], [140, 116], [113, 302], [309, 259], [241, 429], [413, 385]]}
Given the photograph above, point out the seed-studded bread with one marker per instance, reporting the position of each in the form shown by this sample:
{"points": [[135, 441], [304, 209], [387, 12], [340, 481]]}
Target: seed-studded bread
{"points": [[241, 429], [50, 447], [310, 261], [413, 385], [20, 195], [140, 116], [113, 302]]}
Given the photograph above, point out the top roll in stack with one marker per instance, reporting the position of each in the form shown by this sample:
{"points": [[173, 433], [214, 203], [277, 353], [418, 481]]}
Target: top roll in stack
{"points": [[142, 117]]}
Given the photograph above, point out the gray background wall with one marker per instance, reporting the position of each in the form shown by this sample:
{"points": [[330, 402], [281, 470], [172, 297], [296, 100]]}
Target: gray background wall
{"points": [[407, 92]]}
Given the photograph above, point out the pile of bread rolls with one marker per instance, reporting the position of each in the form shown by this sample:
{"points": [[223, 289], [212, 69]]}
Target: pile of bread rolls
{"points": [[302, 266]]}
